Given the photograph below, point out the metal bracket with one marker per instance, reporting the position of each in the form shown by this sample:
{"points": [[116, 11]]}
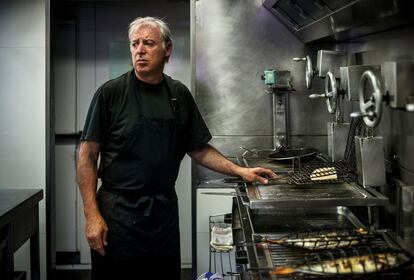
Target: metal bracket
{"points": [[309, 72]]}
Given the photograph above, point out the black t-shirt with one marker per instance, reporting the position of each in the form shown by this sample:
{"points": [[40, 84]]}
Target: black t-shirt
{"points": [[155, 99], [115, 106]]}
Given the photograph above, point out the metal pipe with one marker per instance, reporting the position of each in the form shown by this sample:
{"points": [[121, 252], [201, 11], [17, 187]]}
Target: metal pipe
{"points": [[276, 142], [287, 120]]}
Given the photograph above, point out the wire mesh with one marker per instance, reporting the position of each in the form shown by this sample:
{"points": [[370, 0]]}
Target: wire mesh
{"points": [[302, 176], [325, 239], [356, 128]]}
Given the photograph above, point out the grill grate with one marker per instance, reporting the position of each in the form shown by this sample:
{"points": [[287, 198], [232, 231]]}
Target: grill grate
{"points": [[281, 257], [302, 175]]}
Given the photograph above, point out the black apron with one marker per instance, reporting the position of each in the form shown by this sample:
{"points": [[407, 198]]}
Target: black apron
{"points": [[143, 219]]}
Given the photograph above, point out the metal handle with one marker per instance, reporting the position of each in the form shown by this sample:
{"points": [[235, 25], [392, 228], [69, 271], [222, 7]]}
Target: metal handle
{"points": [[356, 115], [361, 115], [370, 110], [309, 73], [317, 95], [299, 58]]}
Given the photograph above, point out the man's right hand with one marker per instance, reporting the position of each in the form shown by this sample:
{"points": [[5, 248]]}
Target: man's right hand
{"points": [[96, 231]]}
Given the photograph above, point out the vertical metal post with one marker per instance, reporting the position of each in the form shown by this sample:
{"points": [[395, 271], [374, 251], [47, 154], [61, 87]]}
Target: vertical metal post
{"points": [[286, 97], [280, 103], [276, 142]]}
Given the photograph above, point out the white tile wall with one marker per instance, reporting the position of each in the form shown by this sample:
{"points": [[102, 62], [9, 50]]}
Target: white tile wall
{"points": [[22, 106], [22, 23]]}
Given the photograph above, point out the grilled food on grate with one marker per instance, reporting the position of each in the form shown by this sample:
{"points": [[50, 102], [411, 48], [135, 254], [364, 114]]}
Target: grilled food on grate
{"points": [[323, 174], [355, 261], [329, 239]]}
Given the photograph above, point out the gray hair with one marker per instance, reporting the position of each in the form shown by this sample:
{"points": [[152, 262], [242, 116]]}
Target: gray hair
{"points": [[162, 25]]}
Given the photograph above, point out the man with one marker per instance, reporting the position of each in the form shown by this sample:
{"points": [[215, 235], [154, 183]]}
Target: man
{"points": [[142, 124]]}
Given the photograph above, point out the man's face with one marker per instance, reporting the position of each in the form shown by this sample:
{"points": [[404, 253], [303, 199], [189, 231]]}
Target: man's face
{"points": [[148, 51]]}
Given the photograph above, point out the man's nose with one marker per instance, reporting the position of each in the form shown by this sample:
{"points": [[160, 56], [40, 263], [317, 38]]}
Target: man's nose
{"points": [[140, 48]]}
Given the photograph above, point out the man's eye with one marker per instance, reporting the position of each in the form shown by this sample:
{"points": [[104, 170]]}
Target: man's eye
{"points": [[149, 44]]}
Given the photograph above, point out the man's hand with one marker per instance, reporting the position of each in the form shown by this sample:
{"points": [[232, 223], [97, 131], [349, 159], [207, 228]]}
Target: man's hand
{"points": [[96, 231], [259, 174]]}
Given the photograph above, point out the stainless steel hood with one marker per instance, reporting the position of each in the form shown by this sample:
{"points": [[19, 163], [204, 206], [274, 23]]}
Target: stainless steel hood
{"points": [[339, 20]]}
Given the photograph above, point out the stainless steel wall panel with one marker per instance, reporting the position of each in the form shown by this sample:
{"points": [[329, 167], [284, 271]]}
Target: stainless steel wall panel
{"points": [[319, 142], [397, 128], [230, 145], [237, 113], [308, 116], [235, 42]]}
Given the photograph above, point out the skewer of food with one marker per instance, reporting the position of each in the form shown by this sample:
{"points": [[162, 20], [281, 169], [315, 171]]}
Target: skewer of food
{"points": [[324, 240], [323, 174], [355, 262]]}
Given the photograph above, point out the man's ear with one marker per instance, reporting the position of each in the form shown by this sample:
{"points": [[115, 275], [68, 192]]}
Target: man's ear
{"points": [[168, 49]]}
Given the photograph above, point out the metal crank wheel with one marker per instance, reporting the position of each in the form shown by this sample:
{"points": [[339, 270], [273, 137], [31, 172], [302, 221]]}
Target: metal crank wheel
{"points": [[332, 95], [309, 73], [331, 92], [371, 110]]}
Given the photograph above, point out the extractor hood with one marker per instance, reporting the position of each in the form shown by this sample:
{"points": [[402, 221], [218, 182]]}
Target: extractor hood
{"points": [[339, 20]]}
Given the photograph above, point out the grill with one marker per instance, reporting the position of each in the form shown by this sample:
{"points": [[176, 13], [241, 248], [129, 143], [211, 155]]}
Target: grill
{"points": [[272, 257], [282, 257], [262, 227]]}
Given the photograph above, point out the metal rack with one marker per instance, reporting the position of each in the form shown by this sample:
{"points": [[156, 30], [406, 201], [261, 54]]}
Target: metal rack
{"points": [[216, 259]]}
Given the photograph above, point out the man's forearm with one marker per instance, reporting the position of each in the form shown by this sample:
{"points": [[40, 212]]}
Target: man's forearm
{"points": [[209, 157], [87, 178]]}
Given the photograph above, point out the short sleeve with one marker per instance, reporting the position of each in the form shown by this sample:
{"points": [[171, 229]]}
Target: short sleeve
{"points": [[197, 132], [95, 124]]}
